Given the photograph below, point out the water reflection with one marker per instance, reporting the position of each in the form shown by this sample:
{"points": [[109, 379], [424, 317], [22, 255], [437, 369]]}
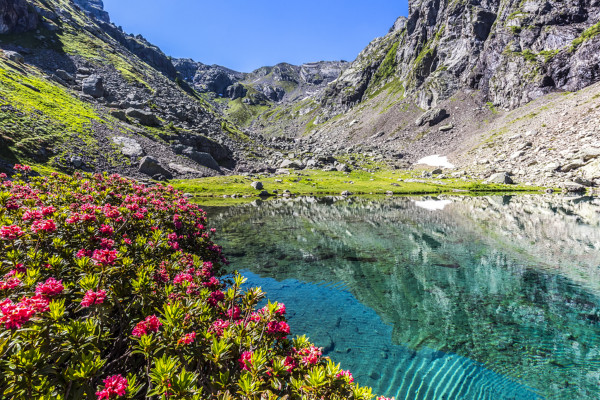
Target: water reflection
{"points": [[509, 282]]}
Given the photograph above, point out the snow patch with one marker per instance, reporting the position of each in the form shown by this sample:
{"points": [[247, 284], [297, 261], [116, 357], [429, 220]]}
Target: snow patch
{"points": [[436, 161], [433, 205]]}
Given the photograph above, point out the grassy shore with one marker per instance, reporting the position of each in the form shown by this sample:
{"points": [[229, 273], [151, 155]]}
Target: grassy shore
{"points": [[237, 189]]}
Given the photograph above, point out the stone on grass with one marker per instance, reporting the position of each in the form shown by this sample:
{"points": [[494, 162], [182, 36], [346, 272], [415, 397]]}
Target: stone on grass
{"points": [[151, 166], [501, 178]]}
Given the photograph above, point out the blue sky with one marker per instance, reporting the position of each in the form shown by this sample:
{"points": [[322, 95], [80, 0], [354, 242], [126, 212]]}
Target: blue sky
{"points": [[244, 35]]}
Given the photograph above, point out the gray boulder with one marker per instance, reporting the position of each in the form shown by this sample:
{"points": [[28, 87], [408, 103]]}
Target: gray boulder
{"points": [[93, 86], [501, 178], [291, 164], [64, 75], [573, 187], [144, 117], [342, 168], [257, 185], [119, 114], [432, 117], [129, 147], [14, 56], [151, 166], [183, 170], [204, 159]]}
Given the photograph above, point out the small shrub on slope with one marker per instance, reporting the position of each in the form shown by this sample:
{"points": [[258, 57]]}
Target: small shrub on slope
{"points": [[113, 290]]}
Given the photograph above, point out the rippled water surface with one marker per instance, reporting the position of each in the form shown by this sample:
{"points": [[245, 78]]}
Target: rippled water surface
{"points": [[453, 298]]}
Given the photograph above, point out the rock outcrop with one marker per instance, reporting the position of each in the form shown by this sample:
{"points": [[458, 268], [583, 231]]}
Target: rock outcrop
{"points": [[17, 16], [512, 51]]}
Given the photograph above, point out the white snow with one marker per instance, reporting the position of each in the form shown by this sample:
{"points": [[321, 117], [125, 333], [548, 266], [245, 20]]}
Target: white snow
{"points": [[433, 205], [436, 161]]}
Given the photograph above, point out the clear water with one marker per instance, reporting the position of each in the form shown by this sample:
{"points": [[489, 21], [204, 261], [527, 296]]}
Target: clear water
{"points": [[454, 298]]}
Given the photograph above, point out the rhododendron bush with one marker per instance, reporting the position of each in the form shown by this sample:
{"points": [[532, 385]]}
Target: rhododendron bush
{"points": [[113, 290]]}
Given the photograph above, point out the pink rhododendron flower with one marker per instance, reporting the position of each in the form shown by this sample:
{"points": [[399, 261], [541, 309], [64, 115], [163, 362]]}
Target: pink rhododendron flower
{"points": [[31, 215], [245, 360], [84, 253], [39, 303], [280, 309], [310, 355], [183, 277], [290, 363], [187, 339], [345, 374], [212, 283], [149, 325], [280, 328], [215, 297], [90, 298], [107, 230], [50, 288], [11, 232], [24, 168], [218, 327], [114, 387], [47, 225], [234, 312], [48, 210], [10, 283], [255, 317], [105, 257], [15, 315]]}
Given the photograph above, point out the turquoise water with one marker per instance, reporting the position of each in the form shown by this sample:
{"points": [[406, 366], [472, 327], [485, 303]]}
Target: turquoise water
{"points": [[454, 298]]}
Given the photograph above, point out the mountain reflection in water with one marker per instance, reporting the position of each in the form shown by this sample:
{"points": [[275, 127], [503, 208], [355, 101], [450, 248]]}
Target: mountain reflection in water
{"points": [[508, 283]]}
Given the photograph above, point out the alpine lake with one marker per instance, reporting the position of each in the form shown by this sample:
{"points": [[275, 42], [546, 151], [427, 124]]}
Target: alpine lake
{"points": [[447, 297]]}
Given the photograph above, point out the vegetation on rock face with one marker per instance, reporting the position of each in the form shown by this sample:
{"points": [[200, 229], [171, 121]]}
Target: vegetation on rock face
{"points": [[111, 290]]}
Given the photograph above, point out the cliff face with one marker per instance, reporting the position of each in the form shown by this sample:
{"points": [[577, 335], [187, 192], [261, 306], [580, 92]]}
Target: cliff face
{"points": [[17, 16], [512, 51]]}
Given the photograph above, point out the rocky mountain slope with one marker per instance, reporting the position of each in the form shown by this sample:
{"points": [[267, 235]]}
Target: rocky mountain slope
{"points": [[78, 93]]}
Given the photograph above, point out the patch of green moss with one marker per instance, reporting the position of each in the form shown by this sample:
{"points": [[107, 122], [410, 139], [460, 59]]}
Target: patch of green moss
{"points": [[388, 66], [243, 114], [588, 34], [39, 114]]}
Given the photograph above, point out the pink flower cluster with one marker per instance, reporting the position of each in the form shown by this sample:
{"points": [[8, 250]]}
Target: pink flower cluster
{"points": [[215, 297], [278, 328], [149, 325], [245, 360], [11, 232], [104, 257], [10, 283], [107, 230], [90, 298], [47, 225], [187, 339], [183, 277], [114, 387], [50, 288], [290, 363], [218, 327], [234, 312], [310, 355], [19, 167], [345, 374], [15, 315]]}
